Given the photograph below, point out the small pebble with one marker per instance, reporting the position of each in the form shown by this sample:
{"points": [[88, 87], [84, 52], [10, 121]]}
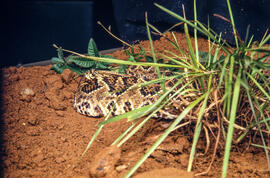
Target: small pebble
{"points": [[59, 160], [28, 91], [120, 168], [27, 94]]}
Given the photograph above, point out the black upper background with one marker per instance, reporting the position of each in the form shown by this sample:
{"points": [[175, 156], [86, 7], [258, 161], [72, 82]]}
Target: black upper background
{"points": [[29, 28]]}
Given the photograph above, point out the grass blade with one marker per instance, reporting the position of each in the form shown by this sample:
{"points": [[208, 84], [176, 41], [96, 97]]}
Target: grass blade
{"points": [[170, 41], [151, 115], [260, 146], [259, 86], [260, 130], [153, 52], [232, 22], [265, 40], [165, 134], [200, 28], [142, 111], [231, 124], [195, 30], [124, 133], [229, 84], [117, 61], [197, 132]]}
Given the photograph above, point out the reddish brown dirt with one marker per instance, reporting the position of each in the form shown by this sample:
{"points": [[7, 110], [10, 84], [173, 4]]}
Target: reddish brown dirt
{"points": [[44, 136]]}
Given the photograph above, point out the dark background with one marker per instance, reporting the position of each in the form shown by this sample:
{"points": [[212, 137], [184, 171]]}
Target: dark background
{"points": [[30, 28]]}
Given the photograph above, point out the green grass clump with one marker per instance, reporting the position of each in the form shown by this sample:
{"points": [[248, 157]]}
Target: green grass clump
{"points": [[226, 85]]}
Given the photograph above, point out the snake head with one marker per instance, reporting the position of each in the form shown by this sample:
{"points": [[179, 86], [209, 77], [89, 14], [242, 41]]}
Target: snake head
{"points": [[91, 74]]}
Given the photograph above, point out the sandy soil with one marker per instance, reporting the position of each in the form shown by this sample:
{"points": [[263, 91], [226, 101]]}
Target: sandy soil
{"points": [[43, 136]]}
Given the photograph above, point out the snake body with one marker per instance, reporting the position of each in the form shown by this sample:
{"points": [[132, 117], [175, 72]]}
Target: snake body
{"points": [[100, 91]]}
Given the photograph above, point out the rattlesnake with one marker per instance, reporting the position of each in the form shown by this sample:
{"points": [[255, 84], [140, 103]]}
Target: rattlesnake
{"points": [[99, 91]]}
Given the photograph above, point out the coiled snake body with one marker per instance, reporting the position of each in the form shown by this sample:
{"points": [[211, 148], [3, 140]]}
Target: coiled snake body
{"points": [[100, 91]]}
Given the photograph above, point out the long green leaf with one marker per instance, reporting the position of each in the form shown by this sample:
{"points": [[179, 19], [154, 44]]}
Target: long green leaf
{"points": [[230, 84], [260, 146], [117, 61], [235, 98], [264, 40], [223, 71], [169, 40], [129, 114], [190, 48], [195, 30], [232, 22], [153, 52]]}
